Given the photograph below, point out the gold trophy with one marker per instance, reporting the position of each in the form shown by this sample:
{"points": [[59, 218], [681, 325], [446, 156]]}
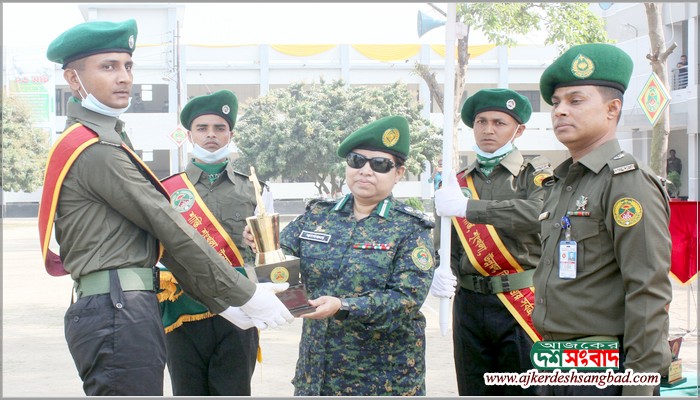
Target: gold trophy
{"points": [[271, 264]]}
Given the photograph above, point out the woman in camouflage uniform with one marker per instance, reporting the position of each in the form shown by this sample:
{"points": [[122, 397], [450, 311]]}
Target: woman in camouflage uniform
{"points": [[367, 262]]}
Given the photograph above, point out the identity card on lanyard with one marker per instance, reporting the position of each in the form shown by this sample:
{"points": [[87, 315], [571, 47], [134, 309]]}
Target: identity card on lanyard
{"points": [[567, 252]]}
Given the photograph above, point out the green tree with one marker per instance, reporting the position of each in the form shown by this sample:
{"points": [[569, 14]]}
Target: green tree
{"points": [[564, 24], [293, 133], [24, 148]]}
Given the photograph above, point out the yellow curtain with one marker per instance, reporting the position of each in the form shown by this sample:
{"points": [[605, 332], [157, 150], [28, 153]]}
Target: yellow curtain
{"points": [[387, 52], [219, 45], [474, 51], [302, 50]]}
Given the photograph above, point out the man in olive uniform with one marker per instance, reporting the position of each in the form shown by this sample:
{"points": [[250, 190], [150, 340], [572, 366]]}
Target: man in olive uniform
{"points": [[610, 215], [495, 244], [111, 218], [673, 163], [207, 355]]}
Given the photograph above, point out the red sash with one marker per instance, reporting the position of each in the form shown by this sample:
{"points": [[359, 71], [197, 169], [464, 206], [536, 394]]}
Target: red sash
{"points": [[63, 154], [490, 257], [185, 200]]}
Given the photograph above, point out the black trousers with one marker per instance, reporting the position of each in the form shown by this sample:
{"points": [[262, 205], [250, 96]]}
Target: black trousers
{"points": [[211, 357], [487, 338], [117, 343]]}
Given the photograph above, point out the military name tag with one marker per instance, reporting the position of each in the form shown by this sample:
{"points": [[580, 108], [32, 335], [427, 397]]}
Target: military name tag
{"points": [[315, 236]]}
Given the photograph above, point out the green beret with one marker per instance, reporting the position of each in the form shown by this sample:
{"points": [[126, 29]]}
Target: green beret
{"points": [[93, 37], [503, 100], [388, 134], [595, 64], [222, 103]]}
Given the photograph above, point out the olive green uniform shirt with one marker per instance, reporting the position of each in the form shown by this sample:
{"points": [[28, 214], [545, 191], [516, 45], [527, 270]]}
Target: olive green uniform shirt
{"points": [[621, 286], [110, 216], [511, 201], [231, 198]]}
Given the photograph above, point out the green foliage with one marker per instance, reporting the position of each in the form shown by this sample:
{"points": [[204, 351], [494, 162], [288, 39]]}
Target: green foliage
{"points": [[415, 203], [564, 24], [293, 133], [24, 148], [675, 179]]}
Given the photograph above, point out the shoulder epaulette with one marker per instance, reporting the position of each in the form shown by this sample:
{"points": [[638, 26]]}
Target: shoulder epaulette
{"points": [[318, 202], [263, 184], [622, 162], [425, 219], [542, 169], [540, 163]]}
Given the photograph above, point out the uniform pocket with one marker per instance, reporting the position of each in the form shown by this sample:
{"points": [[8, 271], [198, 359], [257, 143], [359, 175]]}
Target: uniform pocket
{"points": [[587, 233]]}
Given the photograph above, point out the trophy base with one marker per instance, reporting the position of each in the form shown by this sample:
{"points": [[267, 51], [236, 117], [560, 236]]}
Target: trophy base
{"points": [[295, 298]]}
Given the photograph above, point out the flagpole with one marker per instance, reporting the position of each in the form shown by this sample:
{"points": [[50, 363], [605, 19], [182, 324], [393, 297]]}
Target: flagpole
{"points": [[447, 150]]}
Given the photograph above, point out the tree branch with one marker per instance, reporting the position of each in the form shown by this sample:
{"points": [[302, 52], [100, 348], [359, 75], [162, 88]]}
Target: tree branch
{"points": [[429, 77]]}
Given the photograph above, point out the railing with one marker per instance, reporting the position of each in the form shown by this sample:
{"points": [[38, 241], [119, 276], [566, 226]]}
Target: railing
{"points": [[679, 78]]}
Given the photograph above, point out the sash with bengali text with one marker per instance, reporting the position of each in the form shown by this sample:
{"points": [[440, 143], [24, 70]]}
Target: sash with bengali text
{"points": [[185, 200], [62, 155], [177, 309], [490, 257]]}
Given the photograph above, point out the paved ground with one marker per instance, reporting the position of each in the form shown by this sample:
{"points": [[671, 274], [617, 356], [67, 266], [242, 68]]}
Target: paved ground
{"points": [[36, 362]]}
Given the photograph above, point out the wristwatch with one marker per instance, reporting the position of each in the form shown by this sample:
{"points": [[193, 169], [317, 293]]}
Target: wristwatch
{"points": [[343, 311]]}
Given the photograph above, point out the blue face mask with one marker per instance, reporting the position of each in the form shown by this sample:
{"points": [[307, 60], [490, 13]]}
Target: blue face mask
{"points": [[505, 149], [91, 103]]}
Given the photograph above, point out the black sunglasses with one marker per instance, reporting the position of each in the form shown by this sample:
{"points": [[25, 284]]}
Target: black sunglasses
{"points": [[378, 164]]}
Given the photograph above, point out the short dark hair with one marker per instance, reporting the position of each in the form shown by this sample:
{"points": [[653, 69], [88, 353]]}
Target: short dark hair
{"points": [[609, 93], [78, 64]]}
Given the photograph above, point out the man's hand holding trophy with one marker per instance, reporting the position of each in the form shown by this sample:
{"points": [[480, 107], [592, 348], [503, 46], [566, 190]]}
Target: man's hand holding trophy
{"points": [[272, 266]]}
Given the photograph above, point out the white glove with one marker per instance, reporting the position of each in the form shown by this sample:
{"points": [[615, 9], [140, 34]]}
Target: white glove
{"points": [[265, 309], [449, 200], [444, 283], [237, 317]]}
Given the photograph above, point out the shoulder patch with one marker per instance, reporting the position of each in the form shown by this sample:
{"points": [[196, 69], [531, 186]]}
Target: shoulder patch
{"points": [[422, 258], [627, 212]]}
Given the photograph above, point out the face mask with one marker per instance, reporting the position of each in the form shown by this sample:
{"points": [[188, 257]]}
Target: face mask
{"points": [[91, 103], [209, 157], [505, 149]]}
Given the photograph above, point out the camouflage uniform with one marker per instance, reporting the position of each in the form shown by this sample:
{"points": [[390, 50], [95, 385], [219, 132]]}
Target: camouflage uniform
{"points": [[382, 266]]}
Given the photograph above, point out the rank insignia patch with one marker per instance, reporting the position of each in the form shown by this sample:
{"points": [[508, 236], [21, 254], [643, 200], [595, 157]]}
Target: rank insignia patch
{"points": [[627, 212], [422, 258], [182, 200]]}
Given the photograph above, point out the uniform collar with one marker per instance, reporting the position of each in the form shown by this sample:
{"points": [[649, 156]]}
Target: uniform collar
{"points": [[594, 161], [195, 173], [512, 162], [107, 128], [382, 209]]}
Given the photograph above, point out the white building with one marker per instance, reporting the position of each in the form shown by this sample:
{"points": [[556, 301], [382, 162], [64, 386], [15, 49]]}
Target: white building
{"points": [[169, 72]]}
